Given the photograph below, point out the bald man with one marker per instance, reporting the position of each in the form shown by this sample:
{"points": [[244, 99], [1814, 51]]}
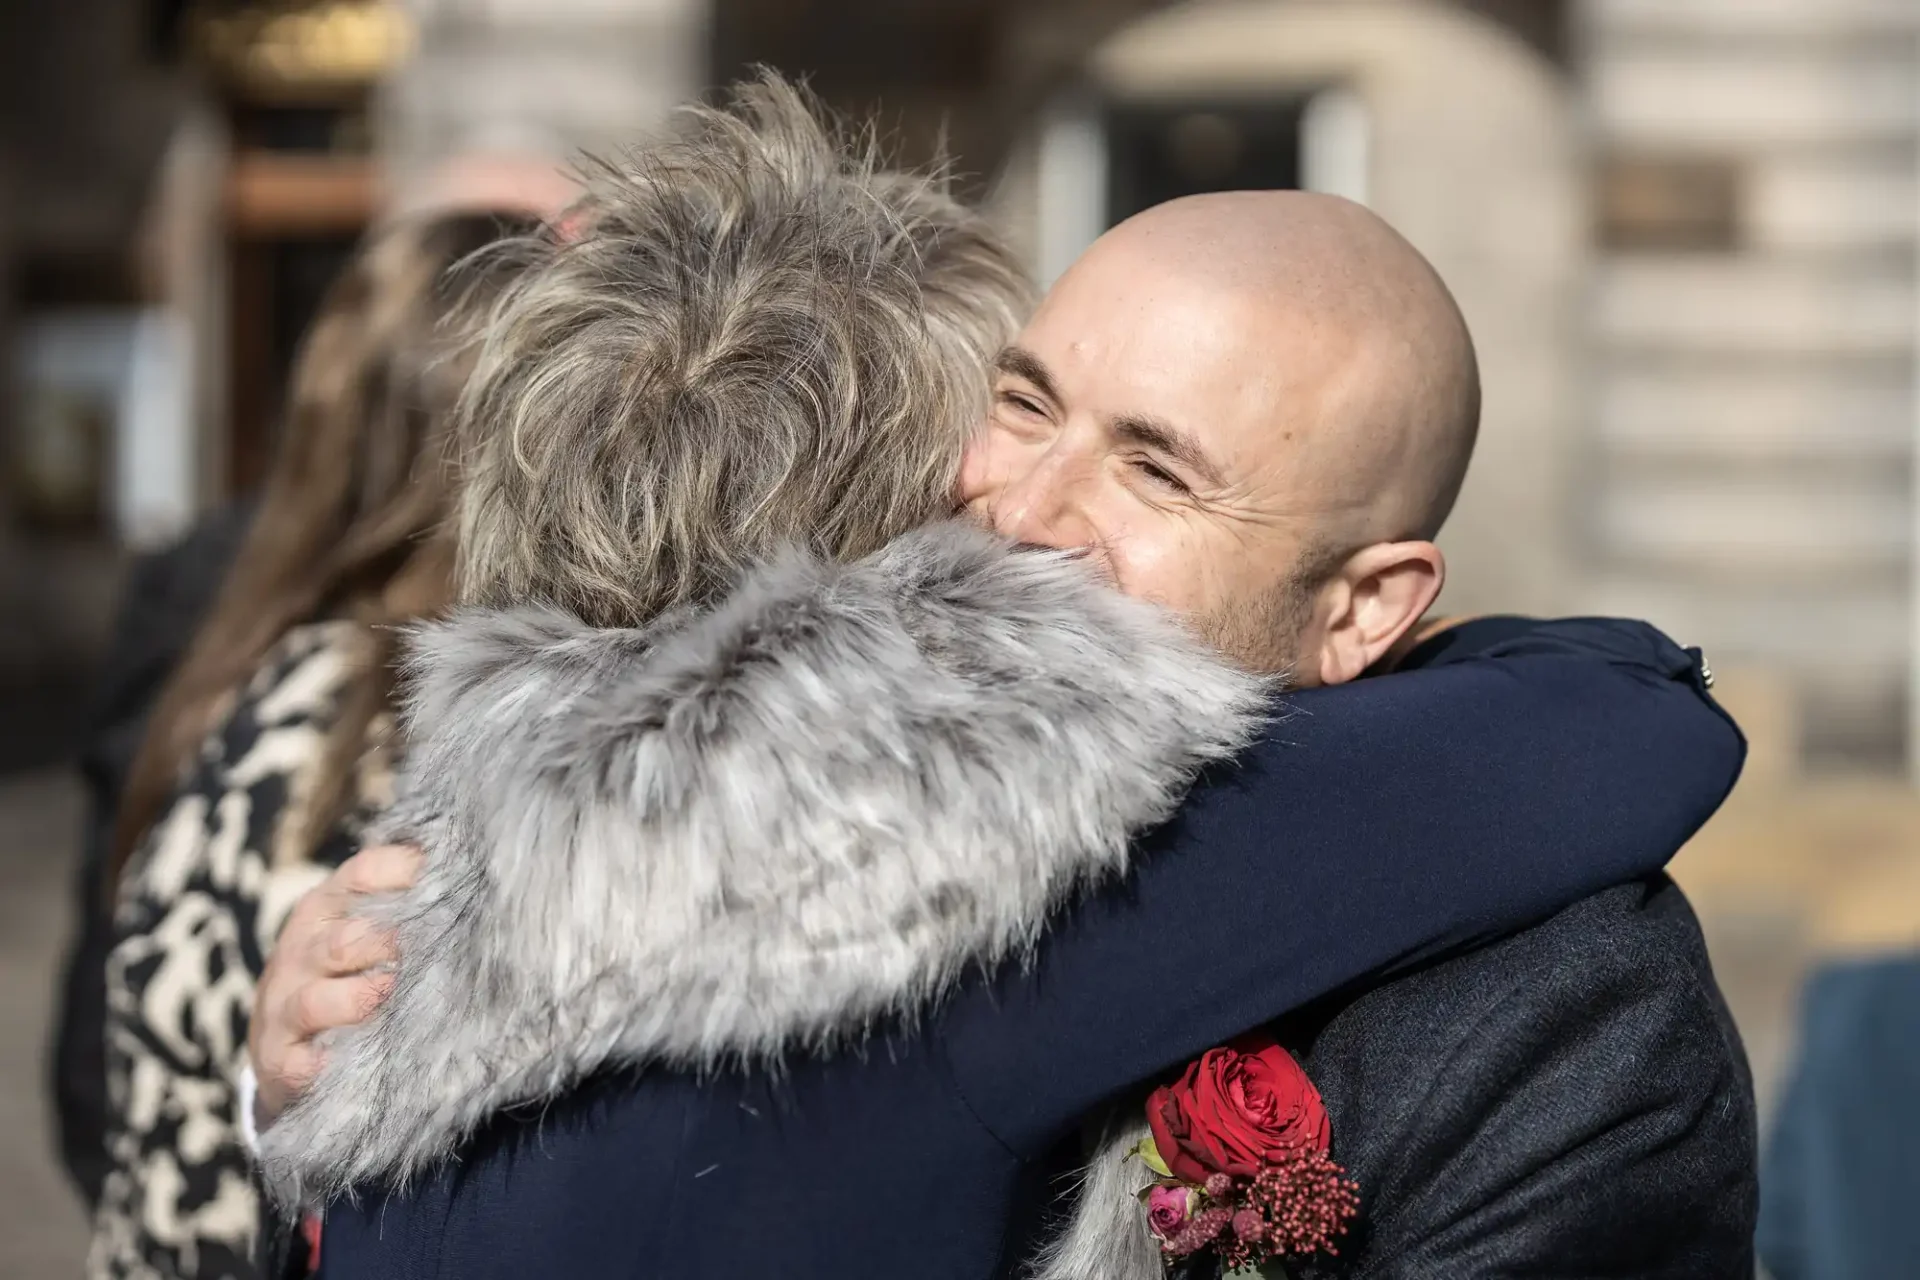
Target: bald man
{"points": [[1258, 408], [1254, 410]]}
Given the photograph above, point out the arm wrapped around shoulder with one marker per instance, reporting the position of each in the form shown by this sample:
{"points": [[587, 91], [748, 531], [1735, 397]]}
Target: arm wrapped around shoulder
{"points": [[749, 830]]}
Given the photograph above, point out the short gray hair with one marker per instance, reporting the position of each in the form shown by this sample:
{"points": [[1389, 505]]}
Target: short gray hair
{"points": [[756, 337]]}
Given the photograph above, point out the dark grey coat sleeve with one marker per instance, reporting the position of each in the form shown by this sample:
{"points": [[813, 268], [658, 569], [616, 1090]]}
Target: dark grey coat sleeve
{"points": [[1572, 1101]]}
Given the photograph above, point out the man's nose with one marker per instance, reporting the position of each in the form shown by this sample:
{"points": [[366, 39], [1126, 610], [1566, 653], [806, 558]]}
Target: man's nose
{"points": [[1040, 503]]}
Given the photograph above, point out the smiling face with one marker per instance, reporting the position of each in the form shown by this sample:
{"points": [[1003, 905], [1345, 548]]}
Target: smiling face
{"points": [[1141, 428], [1230, 444]]}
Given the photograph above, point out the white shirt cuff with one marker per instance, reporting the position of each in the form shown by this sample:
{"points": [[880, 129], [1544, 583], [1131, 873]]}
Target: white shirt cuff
{"points": [[249, 1086]]}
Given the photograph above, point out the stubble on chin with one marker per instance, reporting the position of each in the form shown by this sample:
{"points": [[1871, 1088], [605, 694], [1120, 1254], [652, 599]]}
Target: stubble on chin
{"points": [[1261, 633]]}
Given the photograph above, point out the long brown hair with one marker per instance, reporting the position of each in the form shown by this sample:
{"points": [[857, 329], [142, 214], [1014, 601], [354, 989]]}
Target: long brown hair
{"points": [[351, 523]]}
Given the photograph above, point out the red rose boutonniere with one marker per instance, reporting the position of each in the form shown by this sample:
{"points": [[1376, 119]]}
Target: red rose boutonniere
{"points": [[1240, 1143]]}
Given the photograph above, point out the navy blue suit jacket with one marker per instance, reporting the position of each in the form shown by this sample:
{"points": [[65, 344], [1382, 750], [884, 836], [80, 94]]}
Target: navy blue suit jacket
{"points": [[1378, 826]]}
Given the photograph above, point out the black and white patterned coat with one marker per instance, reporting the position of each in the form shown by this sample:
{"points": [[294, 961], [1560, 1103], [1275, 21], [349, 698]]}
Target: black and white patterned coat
{"points": [[199, 907]]}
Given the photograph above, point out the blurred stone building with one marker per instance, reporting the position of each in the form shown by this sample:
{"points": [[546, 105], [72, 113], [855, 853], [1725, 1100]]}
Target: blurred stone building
{"points": [[1684, 233], [1753, 340], [1750, 441]]}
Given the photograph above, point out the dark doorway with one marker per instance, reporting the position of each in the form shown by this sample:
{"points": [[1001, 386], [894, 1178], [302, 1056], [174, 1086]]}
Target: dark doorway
{"points": [[1163, 151]]}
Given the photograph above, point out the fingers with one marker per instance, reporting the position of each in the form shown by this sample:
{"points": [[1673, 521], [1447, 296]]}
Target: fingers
{"points": [[340, 943], [377, 869], [327, 970], [345, 945], [293, 1069], [335, 1002], [290, 1009], [282, 1077], [381, 868]]}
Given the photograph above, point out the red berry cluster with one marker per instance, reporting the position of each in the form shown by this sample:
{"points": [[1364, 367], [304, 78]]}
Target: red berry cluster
{"points": [[1299, 1204], [1303, 1201]]}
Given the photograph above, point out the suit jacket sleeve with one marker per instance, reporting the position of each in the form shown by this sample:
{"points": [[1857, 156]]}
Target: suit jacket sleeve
{"points": [[1379, 824], [1570, 1102]]}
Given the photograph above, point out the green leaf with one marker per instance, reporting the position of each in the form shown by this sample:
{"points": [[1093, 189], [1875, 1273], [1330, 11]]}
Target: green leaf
{"points": [[1150, 1156]]}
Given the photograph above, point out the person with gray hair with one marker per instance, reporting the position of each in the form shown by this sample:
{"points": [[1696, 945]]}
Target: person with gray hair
{"points": [[795, 865]]}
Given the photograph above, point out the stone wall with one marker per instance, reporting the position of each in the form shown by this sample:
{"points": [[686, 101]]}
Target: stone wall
{"points": [[1473, 153], [1752, 409], [539, 76]]}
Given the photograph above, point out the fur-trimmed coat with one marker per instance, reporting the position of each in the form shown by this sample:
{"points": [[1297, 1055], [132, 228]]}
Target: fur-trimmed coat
{"points": [[757, 830], [777, 833]]}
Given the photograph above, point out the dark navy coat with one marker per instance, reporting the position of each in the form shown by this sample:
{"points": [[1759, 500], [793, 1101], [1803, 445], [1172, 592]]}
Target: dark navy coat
{"points": [[1379, 827]]}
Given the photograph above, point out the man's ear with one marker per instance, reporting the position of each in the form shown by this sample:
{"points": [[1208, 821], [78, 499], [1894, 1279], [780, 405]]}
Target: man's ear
{"points": [[1380, 593]]}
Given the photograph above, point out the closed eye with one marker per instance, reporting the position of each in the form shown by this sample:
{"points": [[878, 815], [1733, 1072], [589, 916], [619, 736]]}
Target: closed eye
{"points": [[1016, 400], [1159, 475]]}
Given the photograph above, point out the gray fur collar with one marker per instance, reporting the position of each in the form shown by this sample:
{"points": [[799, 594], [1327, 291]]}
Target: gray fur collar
{"points": [[747, 831]]}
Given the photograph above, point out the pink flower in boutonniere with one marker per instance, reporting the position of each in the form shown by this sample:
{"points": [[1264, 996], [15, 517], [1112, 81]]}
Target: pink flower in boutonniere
{"points": [[1167, 1210]]}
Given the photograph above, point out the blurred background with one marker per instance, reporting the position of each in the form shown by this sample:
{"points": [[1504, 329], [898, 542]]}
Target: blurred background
{"points": [[1684, 233]]}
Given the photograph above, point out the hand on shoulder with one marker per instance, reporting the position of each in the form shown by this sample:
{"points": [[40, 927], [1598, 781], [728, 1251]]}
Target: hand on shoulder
{"points": [[328, 969]]}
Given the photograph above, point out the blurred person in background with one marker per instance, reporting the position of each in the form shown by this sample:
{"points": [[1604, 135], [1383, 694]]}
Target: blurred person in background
{"points": [[1840, 1183], [167, 595], [270, 744]]}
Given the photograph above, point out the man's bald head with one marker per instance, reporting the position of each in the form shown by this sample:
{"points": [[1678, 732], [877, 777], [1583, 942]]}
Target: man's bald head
{"points": [[1377, 394], [1257, 408]]}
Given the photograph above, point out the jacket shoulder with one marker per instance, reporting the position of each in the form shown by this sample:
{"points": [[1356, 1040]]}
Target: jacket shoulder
{"points": [[1644, 935], [1631, 955], [1575, 1090]]}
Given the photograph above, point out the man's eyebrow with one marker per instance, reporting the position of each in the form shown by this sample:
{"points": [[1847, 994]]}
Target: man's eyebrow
{"points": [[1022, 363], [1163, 437]]}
